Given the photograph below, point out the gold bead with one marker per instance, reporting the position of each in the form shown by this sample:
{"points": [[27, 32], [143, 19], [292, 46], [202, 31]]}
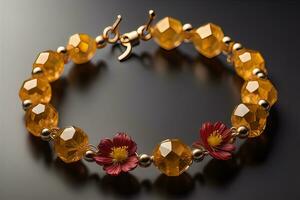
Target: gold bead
{"points": [[51, 63], [71, 144], [208, 40], [39, 117], [251, 116], [36, 90], [245, 61], [81, 48], [100, 41], [168, 33], [145, 160], [258, 89], [172, 157]]}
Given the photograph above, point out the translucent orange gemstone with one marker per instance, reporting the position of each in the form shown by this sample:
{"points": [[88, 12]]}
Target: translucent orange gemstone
{"points": [[259, 89], [252, 116], [70, 144], [172, 157], [168, 33], [51, 63], [39, 117], [245, 61], [208, 40], [81, 48], [36, 90]]}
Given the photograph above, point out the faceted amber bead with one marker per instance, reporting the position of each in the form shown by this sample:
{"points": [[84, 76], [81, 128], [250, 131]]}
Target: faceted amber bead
{"points": [[168, 33], [259, 89], [172, 157], [81, 48], [245, 61], [36, 90], [51, 63], [39, 117], [70, 144], [208, 40], [252, 116]]}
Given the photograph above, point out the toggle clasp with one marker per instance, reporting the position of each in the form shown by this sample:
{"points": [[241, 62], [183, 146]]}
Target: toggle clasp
{"points": [[131, 39]]}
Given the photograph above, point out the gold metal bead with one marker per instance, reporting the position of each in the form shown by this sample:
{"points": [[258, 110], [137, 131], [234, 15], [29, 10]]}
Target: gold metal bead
{"points": [[263, 103], [89, 156], [198, 154], [100, 41], [243, 132], [36, 71], [61, 49], [26, 104], [187, 27], [46, 135], [145, 160], [237, 46], [261, 75]]}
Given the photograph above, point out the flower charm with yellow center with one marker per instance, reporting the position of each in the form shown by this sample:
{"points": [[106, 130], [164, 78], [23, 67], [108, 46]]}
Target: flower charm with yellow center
{"points": [[117, 155], [215, 138]]}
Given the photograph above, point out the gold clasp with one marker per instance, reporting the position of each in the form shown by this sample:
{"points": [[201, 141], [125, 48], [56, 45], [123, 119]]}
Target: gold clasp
{"points": [[128, 40]]}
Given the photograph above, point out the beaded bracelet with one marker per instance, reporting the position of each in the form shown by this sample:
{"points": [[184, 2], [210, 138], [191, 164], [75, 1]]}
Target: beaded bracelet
{"points": [[172, 157]]}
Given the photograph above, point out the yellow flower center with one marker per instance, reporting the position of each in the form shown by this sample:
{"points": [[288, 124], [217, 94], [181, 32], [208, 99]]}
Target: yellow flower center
{"points": [[214, 139], [119, 154]]}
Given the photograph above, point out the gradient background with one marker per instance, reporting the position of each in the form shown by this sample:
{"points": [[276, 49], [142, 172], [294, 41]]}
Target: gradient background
{"points": [[153, 96]]}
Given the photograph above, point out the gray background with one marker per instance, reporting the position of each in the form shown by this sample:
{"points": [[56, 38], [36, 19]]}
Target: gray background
{"points": [[153, 96]]}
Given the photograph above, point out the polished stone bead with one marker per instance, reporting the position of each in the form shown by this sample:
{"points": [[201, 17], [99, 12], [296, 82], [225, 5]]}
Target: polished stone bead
{"points": [[258, 89], [168, 33], [246, 60], [36, 90], [208, 40], [172, 157], [40, 116], [251, 116], [81, 48], [70, 144], [51, 63]]}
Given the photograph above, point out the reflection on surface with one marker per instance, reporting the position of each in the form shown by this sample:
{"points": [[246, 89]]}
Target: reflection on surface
{"points": [[252, 152]]}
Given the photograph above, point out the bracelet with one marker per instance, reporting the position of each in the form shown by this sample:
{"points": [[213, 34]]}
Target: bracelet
{"points": [[171, 156]]}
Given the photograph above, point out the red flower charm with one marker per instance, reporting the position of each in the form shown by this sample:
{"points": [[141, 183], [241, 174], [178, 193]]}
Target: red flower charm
{"points": [[117, 155], [215, 138]]}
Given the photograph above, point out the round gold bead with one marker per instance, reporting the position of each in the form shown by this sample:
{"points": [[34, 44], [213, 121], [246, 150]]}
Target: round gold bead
{"points": [[145, 160]]}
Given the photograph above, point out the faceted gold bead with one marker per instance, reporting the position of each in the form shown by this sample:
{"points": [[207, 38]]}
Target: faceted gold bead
{"points": [[245, 61], [70, 144], [258, 89], [81, 48], [168, 33], [208, 40], [172, 157], [252, 116], [39, 117], [51, 63], [36, 90]]}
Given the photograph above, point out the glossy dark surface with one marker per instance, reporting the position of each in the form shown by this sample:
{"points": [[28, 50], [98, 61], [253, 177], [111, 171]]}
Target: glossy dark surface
{"points": [[153, 96]]}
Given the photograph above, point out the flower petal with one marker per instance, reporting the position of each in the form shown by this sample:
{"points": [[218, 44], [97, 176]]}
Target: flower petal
{"points": [[105, 147], [113, 170], [100, 160], [130, 164], [132, 148], [121, 139], [221, 155], [228, 147]]}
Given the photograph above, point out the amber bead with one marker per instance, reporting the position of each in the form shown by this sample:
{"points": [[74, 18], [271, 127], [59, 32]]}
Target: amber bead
{"points": [[251, 116], [70, 144], [208, 40], [37, 90], [51, 63], [246, 60], [40, 116], [168, 33], [81, 48], [172, 157], [258, 89]]}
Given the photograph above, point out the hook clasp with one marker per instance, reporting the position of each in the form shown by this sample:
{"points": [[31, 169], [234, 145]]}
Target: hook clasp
{"points": [[131, 39]]}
